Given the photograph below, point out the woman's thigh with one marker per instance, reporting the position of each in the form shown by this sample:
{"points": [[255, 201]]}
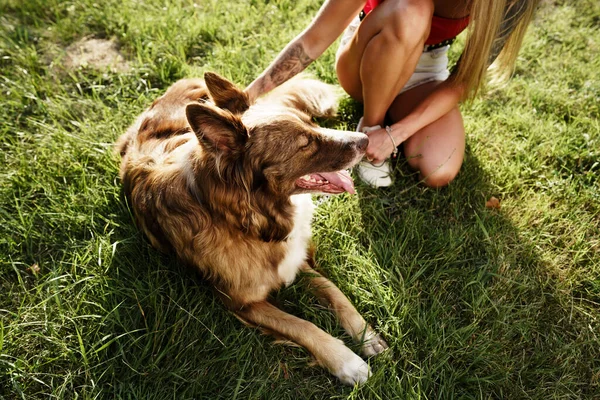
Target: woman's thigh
{"points": [[437, 150], [387, 16]]}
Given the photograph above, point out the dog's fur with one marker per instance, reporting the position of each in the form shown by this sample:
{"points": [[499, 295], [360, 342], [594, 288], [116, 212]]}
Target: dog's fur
{"points": [[225, 185]]}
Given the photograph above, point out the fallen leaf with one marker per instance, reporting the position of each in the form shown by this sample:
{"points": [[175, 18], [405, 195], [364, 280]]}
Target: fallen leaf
{"points": [[493, 202], [286, 374], [34, 269]]}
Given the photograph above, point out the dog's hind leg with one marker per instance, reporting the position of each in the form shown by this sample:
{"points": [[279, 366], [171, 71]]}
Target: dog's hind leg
{"points": [[331, 353], [350, 319]]}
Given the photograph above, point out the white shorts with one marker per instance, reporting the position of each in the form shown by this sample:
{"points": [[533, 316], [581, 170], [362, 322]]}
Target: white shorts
{"points": [[432, 65]]}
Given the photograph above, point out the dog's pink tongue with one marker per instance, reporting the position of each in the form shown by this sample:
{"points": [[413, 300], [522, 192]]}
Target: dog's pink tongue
{"points": [[341, 179]]}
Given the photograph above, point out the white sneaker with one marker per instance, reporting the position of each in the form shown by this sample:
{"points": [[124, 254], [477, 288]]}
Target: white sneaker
{"points": [[374, 175]]}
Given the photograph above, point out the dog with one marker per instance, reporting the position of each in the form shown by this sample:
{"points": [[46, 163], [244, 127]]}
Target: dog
{"points": [[226, 185]]}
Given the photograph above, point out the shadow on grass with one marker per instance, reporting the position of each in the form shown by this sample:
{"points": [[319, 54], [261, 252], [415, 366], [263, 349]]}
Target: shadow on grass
{"points": [[473, 310]]}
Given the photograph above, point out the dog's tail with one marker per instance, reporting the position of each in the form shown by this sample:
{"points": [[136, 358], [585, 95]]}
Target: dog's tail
{"points": [[316, 98]]}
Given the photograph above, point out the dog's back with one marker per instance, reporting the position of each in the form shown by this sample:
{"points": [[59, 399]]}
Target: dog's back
{"points": [[163, 120], [153, 150]]}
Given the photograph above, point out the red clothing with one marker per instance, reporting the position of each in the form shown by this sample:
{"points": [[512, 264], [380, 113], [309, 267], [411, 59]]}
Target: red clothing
{"points": [[441, 28], [371, 4]]}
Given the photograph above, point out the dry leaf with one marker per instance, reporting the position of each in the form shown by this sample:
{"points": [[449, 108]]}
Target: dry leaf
{"points": [[286, 374], [493, 202], [34, 269]]}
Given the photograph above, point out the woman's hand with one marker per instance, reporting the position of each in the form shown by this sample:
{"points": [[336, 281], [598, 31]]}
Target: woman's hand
{"points": [[381, 145], [445, 97]]}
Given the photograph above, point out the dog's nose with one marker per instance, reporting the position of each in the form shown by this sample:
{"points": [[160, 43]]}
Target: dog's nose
{"points": [[362, 143]]}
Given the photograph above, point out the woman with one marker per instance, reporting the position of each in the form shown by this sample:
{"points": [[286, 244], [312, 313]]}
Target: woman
{"points": [[393, 59]]}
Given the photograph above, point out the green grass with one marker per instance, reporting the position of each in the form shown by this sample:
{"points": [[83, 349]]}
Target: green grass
{"points": [[474, 302]]}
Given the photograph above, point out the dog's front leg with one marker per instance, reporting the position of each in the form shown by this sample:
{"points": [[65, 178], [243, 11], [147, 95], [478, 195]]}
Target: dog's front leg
{"points": [[350, 319], [331, 353]]}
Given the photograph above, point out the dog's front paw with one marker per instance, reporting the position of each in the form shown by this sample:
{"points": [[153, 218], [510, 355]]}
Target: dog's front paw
{"points": [[352, 370], [373, 344]]}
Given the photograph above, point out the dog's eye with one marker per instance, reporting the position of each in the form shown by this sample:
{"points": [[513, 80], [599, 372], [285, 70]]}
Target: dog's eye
{"points": [[304, 142]]}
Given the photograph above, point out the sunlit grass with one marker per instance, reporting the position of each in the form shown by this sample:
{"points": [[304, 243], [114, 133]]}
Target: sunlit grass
{"points": [[474, 302]]}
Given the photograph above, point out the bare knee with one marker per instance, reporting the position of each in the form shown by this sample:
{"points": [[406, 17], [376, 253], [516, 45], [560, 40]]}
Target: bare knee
{"points": [[396, 27], [436, 168], [439, 178], [408, 22], [431, 175]]}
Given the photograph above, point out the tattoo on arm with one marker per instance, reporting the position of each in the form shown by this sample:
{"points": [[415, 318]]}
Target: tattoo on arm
{"points": [[293, 61], [289, 63]]}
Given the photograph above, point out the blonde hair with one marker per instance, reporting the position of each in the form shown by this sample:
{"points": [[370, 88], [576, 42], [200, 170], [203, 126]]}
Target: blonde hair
{"points": [[485, 25]]}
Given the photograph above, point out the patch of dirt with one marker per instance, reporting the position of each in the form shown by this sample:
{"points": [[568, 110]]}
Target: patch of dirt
{"points": [[95, 53]]}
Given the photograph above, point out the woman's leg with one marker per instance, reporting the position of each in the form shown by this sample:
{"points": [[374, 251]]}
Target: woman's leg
{"points": [[437, 150], [374, 66]]}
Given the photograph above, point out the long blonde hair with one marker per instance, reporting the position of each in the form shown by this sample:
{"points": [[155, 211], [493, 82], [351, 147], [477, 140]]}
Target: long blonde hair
{"points": [[484, 28]]}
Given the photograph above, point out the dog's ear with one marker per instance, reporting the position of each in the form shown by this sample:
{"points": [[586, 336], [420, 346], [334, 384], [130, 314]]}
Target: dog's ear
{"points": [[225, 94], [215, 128]]}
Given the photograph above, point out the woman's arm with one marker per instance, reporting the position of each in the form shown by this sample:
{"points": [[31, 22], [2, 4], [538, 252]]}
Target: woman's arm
{"points": [[434, 106], [333, 17], [437, 104], [445, 97]]}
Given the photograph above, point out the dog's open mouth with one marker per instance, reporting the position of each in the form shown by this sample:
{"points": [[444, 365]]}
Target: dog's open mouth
{"points": [[328, 182]]}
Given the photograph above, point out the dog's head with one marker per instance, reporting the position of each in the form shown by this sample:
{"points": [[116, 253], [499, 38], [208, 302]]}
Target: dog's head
{"points": [[271, 144]]}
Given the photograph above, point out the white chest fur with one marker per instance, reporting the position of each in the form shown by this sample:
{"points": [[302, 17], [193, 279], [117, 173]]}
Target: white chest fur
{"points": [[297, 242]]}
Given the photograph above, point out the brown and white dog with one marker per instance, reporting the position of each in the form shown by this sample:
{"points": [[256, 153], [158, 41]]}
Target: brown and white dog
{"points": [[226, 185]]}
